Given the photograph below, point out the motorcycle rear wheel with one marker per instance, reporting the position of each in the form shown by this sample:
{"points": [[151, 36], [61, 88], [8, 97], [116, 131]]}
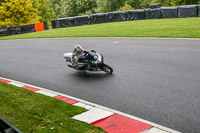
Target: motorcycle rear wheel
{"points": [[107, 69]]}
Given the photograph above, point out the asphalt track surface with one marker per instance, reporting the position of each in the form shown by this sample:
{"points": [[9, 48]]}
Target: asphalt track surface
{"points": [[154, 79]]}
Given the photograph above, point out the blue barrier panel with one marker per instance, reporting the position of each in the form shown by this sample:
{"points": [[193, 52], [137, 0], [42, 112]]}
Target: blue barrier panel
{"points": [[117, 16], [53, 24], [169, 12], [157, 13], [82, 20], [65, 22], [8, 31], [3, 31], [187, 11], [27, 28], [6, 127], [17, 30], [99, 18], [198, 8], [149, 13], [136, 14]]}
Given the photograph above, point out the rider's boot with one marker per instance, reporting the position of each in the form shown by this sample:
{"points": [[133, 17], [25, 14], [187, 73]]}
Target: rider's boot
{"points": [[69, 65]]}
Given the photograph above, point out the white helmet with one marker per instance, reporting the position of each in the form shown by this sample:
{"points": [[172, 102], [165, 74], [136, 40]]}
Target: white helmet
{"points": [[78, 49]]}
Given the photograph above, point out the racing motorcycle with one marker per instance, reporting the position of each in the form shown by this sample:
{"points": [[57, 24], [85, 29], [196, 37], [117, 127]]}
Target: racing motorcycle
{"points": [[92, 61]]}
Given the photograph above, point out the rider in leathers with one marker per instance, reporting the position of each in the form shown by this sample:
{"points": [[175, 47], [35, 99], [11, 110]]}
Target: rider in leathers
{"points": [[77, 57]]}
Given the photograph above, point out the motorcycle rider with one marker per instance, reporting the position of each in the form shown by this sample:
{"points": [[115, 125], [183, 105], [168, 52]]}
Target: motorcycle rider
{"points": [[78, 57]]}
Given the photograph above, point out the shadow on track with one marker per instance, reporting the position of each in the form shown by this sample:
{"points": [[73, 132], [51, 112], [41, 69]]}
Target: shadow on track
{"points": [[91, 75]]}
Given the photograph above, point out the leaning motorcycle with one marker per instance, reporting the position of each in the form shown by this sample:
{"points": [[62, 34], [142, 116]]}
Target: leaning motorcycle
{"points": [[92, 65]]}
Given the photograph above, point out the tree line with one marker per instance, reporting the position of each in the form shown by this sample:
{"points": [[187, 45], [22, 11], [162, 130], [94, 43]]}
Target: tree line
{"points": [[24, 12]]}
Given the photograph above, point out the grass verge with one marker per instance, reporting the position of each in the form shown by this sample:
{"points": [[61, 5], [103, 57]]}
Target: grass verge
{"points": [[174, 28], [33, 112]]}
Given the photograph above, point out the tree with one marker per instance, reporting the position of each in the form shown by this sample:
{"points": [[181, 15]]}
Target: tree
{"points": [[56, 5], [109, 5], [44, 10], [146, 3], [135, 3], [71, 8], [17, 12], [184, 2], [125, 8], [162, 2]]}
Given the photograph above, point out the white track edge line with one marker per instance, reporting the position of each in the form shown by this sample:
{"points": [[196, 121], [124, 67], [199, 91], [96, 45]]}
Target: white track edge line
{"points": [[112, 37], [161, 38], [99, 106]]}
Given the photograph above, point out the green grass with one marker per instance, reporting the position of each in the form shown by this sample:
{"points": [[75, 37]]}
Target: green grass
{"points": [[175, 28], [33, 112]]}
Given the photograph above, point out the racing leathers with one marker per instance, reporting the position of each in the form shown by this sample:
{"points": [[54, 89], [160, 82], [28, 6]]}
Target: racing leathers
{"points": [[77, 58]]}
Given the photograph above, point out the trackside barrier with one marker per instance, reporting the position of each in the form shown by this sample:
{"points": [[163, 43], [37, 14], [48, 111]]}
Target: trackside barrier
{"points": [[5, 31], [154, 12], [82, 20], [117, 16], [198, 8], [99, 18], [157, 13], [65, 22], [187, 11], [6, 127], [149, 13], [136, 14], [169, 12]]}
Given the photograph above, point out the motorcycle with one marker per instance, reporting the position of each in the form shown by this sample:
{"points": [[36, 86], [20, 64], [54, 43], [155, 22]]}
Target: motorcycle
{"points": [[93, 61]]}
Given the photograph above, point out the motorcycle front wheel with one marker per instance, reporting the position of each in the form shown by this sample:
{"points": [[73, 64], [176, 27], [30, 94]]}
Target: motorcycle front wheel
{"points": [[107, 69]]}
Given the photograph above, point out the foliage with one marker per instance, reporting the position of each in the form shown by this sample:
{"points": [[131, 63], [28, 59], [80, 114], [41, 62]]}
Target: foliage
{"points": [[76, 7], [44, 10], [125, 8], [145, 3], [109, 5], [23, 12], [135, 3], [56, 5], [174, 28], [184, 2], [17, 12], [164, 3]]}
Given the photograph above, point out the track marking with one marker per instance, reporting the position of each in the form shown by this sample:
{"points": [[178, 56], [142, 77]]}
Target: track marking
{"points": [[97, 108]]}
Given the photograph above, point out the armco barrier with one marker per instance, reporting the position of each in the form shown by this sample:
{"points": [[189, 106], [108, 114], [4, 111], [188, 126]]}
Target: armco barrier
{"points": [[53, 24], [27, 29], [99, 18], [198, 8], [169, 12], [149, 13], [5, 31], [6, 127], [154, 12], [187, 11], [157, 13], [136, 14], [117, 16], [82, 20], [9, 31], [66, 22]]}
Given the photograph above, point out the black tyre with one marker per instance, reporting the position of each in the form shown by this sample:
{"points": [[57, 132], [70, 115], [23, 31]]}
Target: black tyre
{"points": [[107, 69]]}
